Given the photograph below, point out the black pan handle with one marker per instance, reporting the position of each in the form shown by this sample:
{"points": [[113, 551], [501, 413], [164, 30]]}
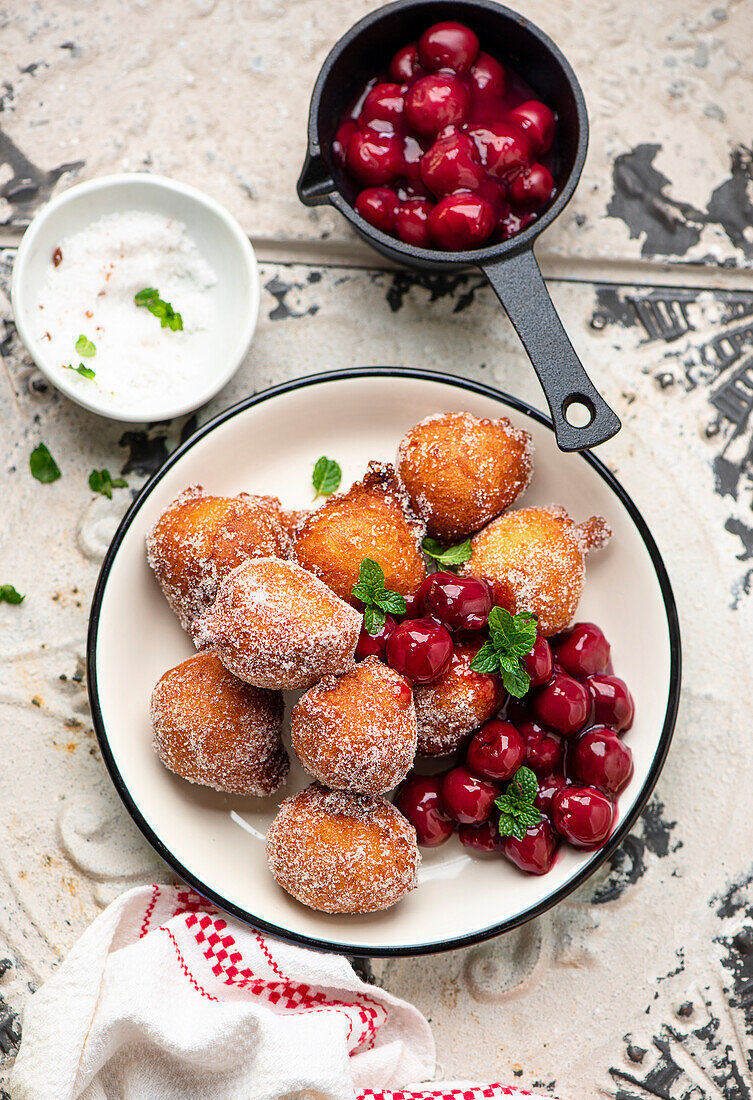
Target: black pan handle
{"points": [[518, 283]]}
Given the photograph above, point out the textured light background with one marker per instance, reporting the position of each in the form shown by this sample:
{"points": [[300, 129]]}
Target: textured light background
{"points": [[640, 983]]}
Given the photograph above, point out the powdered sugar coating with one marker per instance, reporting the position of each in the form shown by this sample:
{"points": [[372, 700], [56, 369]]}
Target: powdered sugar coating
{"points": [[275, 625], [213, 730], [535, 558], [341, 852], [373, 519], [200, 538], [358, 731], [461, 471], [453, 706]]}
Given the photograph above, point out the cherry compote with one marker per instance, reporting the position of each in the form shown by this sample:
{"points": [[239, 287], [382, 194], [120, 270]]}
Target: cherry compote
{"points": [[583, 816], [496, 751], [419, 800], [459, 603], [374, 645], [450, 116], [466, 797], [419, 649], [535, 852]]}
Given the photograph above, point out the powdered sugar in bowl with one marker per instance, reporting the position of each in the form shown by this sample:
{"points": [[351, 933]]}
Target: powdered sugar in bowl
{"points": [[137, 296]]}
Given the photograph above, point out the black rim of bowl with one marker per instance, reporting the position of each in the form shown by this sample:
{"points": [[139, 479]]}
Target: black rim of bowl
{"points": [[492, 930]]}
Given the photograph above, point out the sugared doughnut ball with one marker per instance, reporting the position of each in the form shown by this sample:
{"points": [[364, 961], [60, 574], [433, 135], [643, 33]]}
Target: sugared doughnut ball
{"points": [[199, 539], [452, 707], [535, 559], [357, 732], [277, 626], [291, 519], [372, 519], [460, 471], [212, 729], [342, 852]]}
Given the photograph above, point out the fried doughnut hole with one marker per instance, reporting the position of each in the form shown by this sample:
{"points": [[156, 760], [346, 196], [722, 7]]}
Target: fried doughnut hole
{"points": [[372, 519], [357, 732], [452, 707], [535, 559], [460, 472], [276, 626], [214, 730], [199, 539], [342, 852]]}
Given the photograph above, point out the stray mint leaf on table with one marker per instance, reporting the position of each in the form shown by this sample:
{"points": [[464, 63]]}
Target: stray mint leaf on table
{"points": [[450, 555], [378, 600], [516, 809], [511, 638], [8, 594], [168, 318], [101, 482], [326, 477], [43, 466], [85, 372], [85, 347]]}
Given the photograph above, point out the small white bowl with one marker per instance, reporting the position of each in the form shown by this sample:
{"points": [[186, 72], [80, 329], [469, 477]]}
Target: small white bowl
{"points": [[219, 239]]}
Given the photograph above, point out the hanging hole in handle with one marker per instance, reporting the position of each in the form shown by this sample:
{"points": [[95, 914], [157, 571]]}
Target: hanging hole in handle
{"points": [[578, 410]]}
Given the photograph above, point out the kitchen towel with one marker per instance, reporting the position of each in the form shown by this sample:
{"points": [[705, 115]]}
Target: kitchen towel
{"points": [[166, 998]]}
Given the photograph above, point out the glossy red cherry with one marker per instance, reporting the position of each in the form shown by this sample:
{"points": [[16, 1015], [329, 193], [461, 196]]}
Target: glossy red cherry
{"points": [[373, 157], [378, 205], [460, 603], [583, 815], [538, 663], [495, 193], [563, 704], [600, 759], [483, 838], [412, 607], [613, 703], [412, 222], [536, 851], [452, 164], [496, 751], [547, 790], [383, 107], [544, 751], [537, 121], [582, 650], [342, 140], [412, 154], [419, 649], [448, 46], [532, 186], [460, 222], [488, 77], [514, 222], [436, 101], [418, 799], [466, 797], [405, 64], [373, 645], [503, 148]]}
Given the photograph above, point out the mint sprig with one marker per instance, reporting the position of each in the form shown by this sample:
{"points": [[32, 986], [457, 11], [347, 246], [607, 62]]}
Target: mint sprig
{"points": [[168, 318], [449, 556], [511, 638], [8, 594], [516, 809], [85, 372], [378, 600], [326, 477], [85, 347], [100, 481]]}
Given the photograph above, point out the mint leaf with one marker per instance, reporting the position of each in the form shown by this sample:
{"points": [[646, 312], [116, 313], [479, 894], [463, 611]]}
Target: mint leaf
{"points": [[168, 318], [510, 825], [85, 372], [511, 638], [326, 477], [85, 347], [523, 786], [101, 482], [450, 555], [514, 677], [373, 619], [486, 660], [390, 601], [145, 296], [370, 578], [530, 817], [43, 466], [516, 809], [8, 594]]}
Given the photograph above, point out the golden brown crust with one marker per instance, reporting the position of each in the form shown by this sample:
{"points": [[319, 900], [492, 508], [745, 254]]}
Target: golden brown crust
{"points": [[200, 538], [461, 471], [451, 708], [358, 731], [277, 626], [371, 520], [341, 852], [214, 730], [535, 558]]}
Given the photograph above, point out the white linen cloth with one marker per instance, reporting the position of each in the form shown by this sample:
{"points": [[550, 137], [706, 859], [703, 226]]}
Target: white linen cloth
{"points": [[164, 998]]}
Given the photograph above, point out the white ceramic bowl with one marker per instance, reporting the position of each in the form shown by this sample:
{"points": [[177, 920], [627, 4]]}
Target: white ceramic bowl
{"points": [[268, 444], [221, 242]]}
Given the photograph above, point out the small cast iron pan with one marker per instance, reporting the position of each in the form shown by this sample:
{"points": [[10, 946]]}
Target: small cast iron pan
{"points": [[510, 267]]}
